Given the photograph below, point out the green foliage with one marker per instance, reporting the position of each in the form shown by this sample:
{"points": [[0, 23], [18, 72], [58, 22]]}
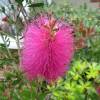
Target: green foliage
{"points": [[19, 1], [3, 9], [79, 83], [37, 5]]}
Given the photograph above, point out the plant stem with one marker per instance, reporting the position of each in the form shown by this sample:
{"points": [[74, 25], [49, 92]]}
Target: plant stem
{"points": [[8, 51]]}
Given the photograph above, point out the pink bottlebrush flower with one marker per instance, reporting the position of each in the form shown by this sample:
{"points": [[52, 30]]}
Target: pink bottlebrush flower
{"points": [[48, 48]]}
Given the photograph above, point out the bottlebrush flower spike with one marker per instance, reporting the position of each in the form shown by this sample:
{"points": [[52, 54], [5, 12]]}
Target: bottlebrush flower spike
{"points": [[48, 48]]}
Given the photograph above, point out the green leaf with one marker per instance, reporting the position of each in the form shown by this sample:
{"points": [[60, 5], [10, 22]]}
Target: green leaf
{"points": [[37, 5], [26, 94], [3, 9], [19, 1], [42, 96]]}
